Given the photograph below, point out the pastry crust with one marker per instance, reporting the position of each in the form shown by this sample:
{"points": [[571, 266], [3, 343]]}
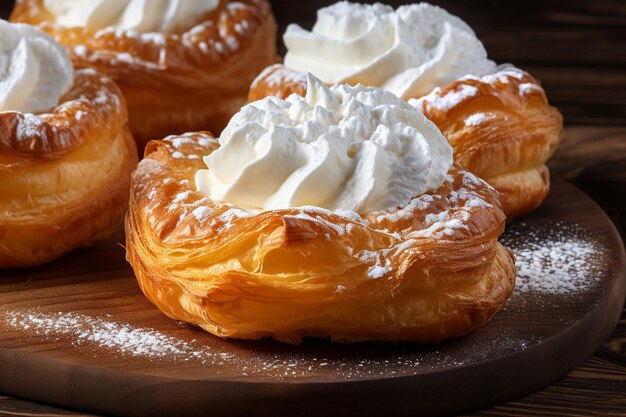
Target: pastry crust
{"points": [[504, 132], [65, 174], [279, 81], [175, 83], [424, 272], [500, 126]]}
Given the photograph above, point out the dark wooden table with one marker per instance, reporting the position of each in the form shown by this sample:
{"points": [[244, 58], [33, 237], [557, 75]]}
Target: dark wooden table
{"points": [[576, 48]]}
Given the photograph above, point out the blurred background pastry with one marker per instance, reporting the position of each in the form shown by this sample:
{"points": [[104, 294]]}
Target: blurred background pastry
{"points": [[66, 153], [182, 65]]}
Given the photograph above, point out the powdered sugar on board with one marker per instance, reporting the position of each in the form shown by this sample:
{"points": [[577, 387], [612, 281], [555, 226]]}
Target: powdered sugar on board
{"points": [[124, 341], [559, 259], [123, 338]]}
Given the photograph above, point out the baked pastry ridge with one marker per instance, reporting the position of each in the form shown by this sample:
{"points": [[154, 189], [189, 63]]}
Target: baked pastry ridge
{"points": [[503, 130], [65, 173], [424, 271], [182, 80]]}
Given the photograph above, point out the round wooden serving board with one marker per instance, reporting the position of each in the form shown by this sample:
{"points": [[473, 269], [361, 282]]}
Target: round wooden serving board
{"points": [[79, 333]]}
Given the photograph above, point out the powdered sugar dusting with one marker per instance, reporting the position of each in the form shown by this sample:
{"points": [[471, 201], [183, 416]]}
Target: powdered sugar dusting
{"points": [[120, 337], [475, 119], [280, 77], [561, 260], [452, 98], [442, 225], [526, 88], [179, 141], [123, 341], [202, 213], [230, 215], [304, 214], [273, 77], [28, 127], [379, 271], [182, 196]]}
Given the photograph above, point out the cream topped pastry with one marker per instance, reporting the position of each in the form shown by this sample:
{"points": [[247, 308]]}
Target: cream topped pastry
{"points": [[35, 71], [340, 148], [166, 16], [408, 51], [183, 65]]}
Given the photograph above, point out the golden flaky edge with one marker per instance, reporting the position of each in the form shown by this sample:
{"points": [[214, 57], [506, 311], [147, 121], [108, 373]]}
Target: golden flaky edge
{"points": [[65, 174], [500, 126], [175, 83], [424, 272]]}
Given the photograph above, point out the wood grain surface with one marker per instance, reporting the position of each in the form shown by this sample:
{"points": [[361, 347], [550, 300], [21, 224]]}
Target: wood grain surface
{"points": [[576, 48]]}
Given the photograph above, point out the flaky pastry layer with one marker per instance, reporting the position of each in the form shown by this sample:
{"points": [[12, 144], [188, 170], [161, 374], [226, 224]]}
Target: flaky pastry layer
{"points": [[175, 83], [427, 271], [65, 174], [500, 126]]}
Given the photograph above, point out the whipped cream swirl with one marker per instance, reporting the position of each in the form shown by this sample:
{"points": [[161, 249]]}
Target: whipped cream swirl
{"points": [[408, 51], [35, 71], [142, 16], [340, 148]]}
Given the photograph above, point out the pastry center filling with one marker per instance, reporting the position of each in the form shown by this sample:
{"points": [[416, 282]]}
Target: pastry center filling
{"points": [[142, 16], [35, 71], [408, 51], [340, 148]]}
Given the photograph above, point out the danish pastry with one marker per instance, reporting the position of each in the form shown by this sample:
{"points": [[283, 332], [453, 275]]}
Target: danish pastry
{"points": [[66, 154], [339, 214], [182, 66], [497, 119]]}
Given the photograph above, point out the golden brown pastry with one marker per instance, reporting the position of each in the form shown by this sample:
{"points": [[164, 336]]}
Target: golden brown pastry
{"points": [[500, 126], [275, 274], [279, 81], [503, 130], [179, 73], [65, 172], [423, 271]]}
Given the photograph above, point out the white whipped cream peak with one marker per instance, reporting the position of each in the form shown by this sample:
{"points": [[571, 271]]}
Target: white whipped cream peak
{"points": [[408, 51], [35, 71], [142, 16], [339, 148]]}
